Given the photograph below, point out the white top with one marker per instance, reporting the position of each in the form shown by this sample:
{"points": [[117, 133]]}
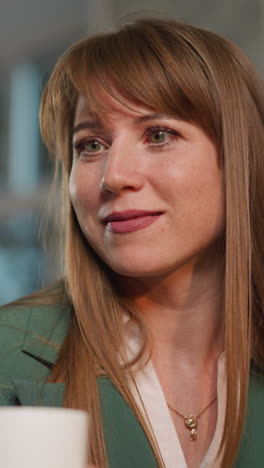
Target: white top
{"points": [[149, 392]]}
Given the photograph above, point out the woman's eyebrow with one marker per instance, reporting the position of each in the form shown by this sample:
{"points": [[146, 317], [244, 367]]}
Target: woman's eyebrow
{"points": [[93, 124], [152, 116]]}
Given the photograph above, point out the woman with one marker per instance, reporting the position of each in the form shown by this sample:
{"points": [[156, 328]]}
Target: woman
{"points": [[157, 327]]}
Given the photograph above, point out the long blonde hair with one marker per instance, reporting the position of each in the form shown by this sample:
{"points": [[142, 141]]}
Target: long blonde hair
{"points": [[202, 78]]}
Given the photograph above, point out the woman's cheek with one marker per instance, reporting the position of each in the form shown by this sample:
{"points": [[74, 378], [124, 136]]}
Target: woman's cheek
{"points": [[77, 187], [84, 191]]}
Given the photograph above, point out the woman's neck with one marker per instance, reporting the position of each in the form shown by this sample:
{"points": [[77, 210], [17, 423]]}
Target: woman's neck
{"points": [[183, 312]]}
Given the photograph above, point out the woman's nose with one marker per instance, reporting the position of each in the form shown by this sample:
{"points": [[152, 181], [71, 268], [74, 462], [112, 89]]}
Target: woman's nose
{"points": [[122, 171]]}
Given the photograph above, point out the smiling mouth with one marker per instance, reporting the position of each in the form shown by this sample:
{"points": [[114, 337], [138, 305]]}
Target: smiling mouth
{"points": [[131, 220]]}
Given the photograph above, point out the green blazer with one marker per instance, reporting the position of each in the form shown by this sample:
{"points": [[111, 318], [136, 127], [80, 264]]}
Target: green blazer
{"points": [[26, 360]]}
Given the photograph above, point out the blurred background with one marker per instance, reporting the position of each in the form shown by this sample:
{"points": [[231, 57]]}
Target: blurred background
{"points": [[33, 34]]}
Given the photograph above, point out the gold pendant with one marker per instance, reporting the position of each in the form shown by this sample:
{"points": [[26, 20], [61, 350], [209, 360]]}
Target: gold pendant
{"points": [[191, 423]]}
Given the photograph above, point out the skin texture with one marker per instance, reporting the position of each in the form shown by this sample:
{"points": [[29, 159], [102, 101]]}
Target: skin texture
{"points": [[171, 269]]}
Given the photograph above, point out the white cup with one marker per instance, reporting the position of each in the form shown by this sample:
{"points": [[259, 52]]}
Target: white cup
{"points": [[41, 437]]}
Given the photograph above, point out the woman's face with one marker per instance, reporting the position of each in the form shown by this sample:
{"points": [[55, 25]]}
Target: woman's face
{"points": [[146, 188]]}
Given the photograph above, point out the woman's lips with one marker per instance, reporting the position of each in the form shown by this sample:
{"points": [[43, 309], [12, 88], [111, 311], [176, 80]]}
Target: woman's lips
{"points": [[130, 221]]}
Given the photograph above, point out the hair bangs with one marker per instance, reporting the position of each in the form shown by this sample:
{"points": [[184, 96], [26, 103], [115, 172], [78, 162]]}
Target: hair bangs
{"points": [[158, 71]]}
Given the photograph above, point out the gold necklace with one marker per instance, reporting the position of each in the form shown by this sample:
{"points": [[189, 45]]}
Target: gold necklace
{"points": [[191, 422]]}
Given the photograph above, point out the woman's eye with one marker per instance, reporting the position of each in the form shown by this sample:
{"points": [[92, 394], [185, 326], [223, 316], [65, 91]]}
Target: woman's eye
{"points": [[92, 146], [159, 136], [88, 146]]}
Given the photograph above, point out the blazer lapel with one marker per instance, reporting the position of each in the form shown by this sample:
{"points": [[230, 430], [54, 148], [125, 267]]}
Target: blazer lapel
{"points": [[43, 338], [126, 442], [39, 393], [251, 448], [45, 333]]}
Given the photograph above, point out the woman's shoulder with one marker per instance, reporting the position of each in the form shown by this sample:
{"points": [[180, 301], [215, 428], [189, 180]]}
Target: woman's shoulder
{"points": [[40, 315], [31, 335], [40, 321]]}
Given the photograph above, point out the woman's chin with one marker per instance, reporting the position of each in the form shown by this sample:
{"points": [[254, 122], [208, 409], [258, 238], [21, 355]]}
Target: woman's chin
{"points": [[138, 268]]}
